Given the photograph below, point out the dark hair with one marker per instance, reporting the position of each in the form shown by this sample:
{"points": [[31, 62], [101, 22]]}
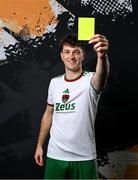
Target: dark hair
{"points": [[72, 40]]}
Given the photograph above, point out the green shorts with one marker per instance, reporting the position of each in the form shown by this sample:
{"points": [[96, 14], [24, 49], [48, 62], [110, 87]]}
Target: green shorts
{"points": [[58, 169]]}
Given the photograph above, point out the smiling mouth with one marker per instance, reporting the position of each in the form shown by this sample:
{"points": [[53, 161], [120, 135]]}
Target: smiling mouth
{"points": [[72, 62]]}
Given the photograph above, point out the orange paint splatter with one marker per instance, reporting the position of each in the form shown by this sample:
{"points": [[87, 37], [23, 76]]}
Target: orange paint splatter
{"points": [[36, 14]]}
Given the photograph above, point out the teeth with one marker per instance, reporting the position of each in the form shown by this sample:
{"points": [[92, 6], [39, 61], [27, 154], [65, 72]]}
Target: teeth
{"points": [[72, 62]]}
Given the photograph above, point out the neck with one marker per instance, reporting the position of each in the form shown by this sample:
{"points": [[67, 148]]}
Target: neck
{"points": [[71, 75]]}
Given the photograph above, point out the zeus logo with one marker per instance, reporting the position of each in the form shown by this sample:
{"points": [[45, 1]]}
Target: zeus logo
{"points": [[64, 107]]}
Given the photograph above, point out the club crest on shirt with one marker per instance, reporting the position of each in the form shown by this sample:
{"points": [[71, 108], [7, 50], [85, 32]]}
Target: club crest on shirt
{"points": [[65, 107], [65, 96]]}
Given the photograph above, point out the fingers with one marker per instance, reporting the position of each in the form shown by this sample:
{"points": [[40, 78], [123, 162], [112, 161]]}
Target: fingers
{"points": [[39, 156], [100, 44], [39, 160], [98, 38]]}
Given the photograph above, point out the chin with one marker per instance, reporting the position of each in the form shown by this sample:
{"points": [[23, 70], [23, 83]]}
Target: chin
{"points": [[73, 69]]}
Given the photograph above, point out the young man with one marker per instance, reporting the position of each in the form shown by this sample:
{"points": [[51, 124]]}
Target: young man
{"points": [[71, 112]]}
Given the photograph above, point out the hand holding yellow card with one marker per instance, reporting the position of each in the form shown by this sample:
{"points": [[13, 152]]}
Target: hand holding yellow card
{"points": [[86, 28]]}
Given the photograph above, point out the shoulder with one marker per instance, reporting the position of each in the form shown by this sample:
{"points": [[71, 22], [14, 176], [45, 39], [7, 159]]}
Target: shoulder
{"points": [[88, 74], [57, 78]]}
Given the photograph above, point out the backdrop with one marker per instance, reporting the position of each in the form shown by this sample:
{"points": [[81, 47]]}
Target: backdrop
{"points": [[29, 57]]}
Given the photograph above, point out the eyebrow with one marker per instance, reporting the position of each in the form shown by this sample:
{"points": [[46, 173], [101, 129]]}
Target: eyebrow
{"points": [[69, 50]]}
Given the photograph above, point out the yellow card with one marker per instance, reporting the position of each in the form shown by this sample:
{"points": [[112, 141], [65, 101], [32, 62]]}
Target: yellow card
{"points": [[86, 28]]}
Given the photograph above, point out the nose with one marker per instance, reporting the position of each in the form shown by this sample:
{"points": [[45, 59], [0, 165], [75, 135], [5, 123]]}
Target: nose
{"points": [[72, 56]]}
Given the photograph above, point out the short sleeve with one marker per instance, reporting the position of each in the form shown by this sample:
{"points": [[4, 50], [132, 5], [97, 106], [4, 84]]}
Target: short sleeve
{"points": [[50, 94], [93, 91]]}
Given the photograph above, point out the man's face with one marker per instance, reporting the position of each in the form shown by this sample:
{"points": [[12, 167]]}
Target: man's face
{"points": [[72, 57]]}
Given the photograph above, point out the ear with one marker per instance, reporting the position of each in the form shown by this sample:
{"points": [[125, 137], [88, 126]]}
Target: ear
{"points": [[61, 55], [84, 55]]}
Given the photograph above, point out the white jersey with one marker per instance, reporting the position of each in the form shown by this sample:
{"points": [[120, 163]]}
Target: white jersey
{"points": [[75, 102]]}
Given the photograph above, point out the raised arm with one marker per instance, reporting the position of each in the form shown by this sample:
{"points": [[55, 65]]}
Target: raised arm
{"points": [[100, 44], [44, 130]]}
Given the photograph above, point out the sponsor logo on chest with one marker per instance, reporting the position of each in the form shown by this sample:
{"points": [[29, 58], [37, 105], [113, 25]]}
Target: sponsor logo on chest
{"points": [[65, 106]]}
